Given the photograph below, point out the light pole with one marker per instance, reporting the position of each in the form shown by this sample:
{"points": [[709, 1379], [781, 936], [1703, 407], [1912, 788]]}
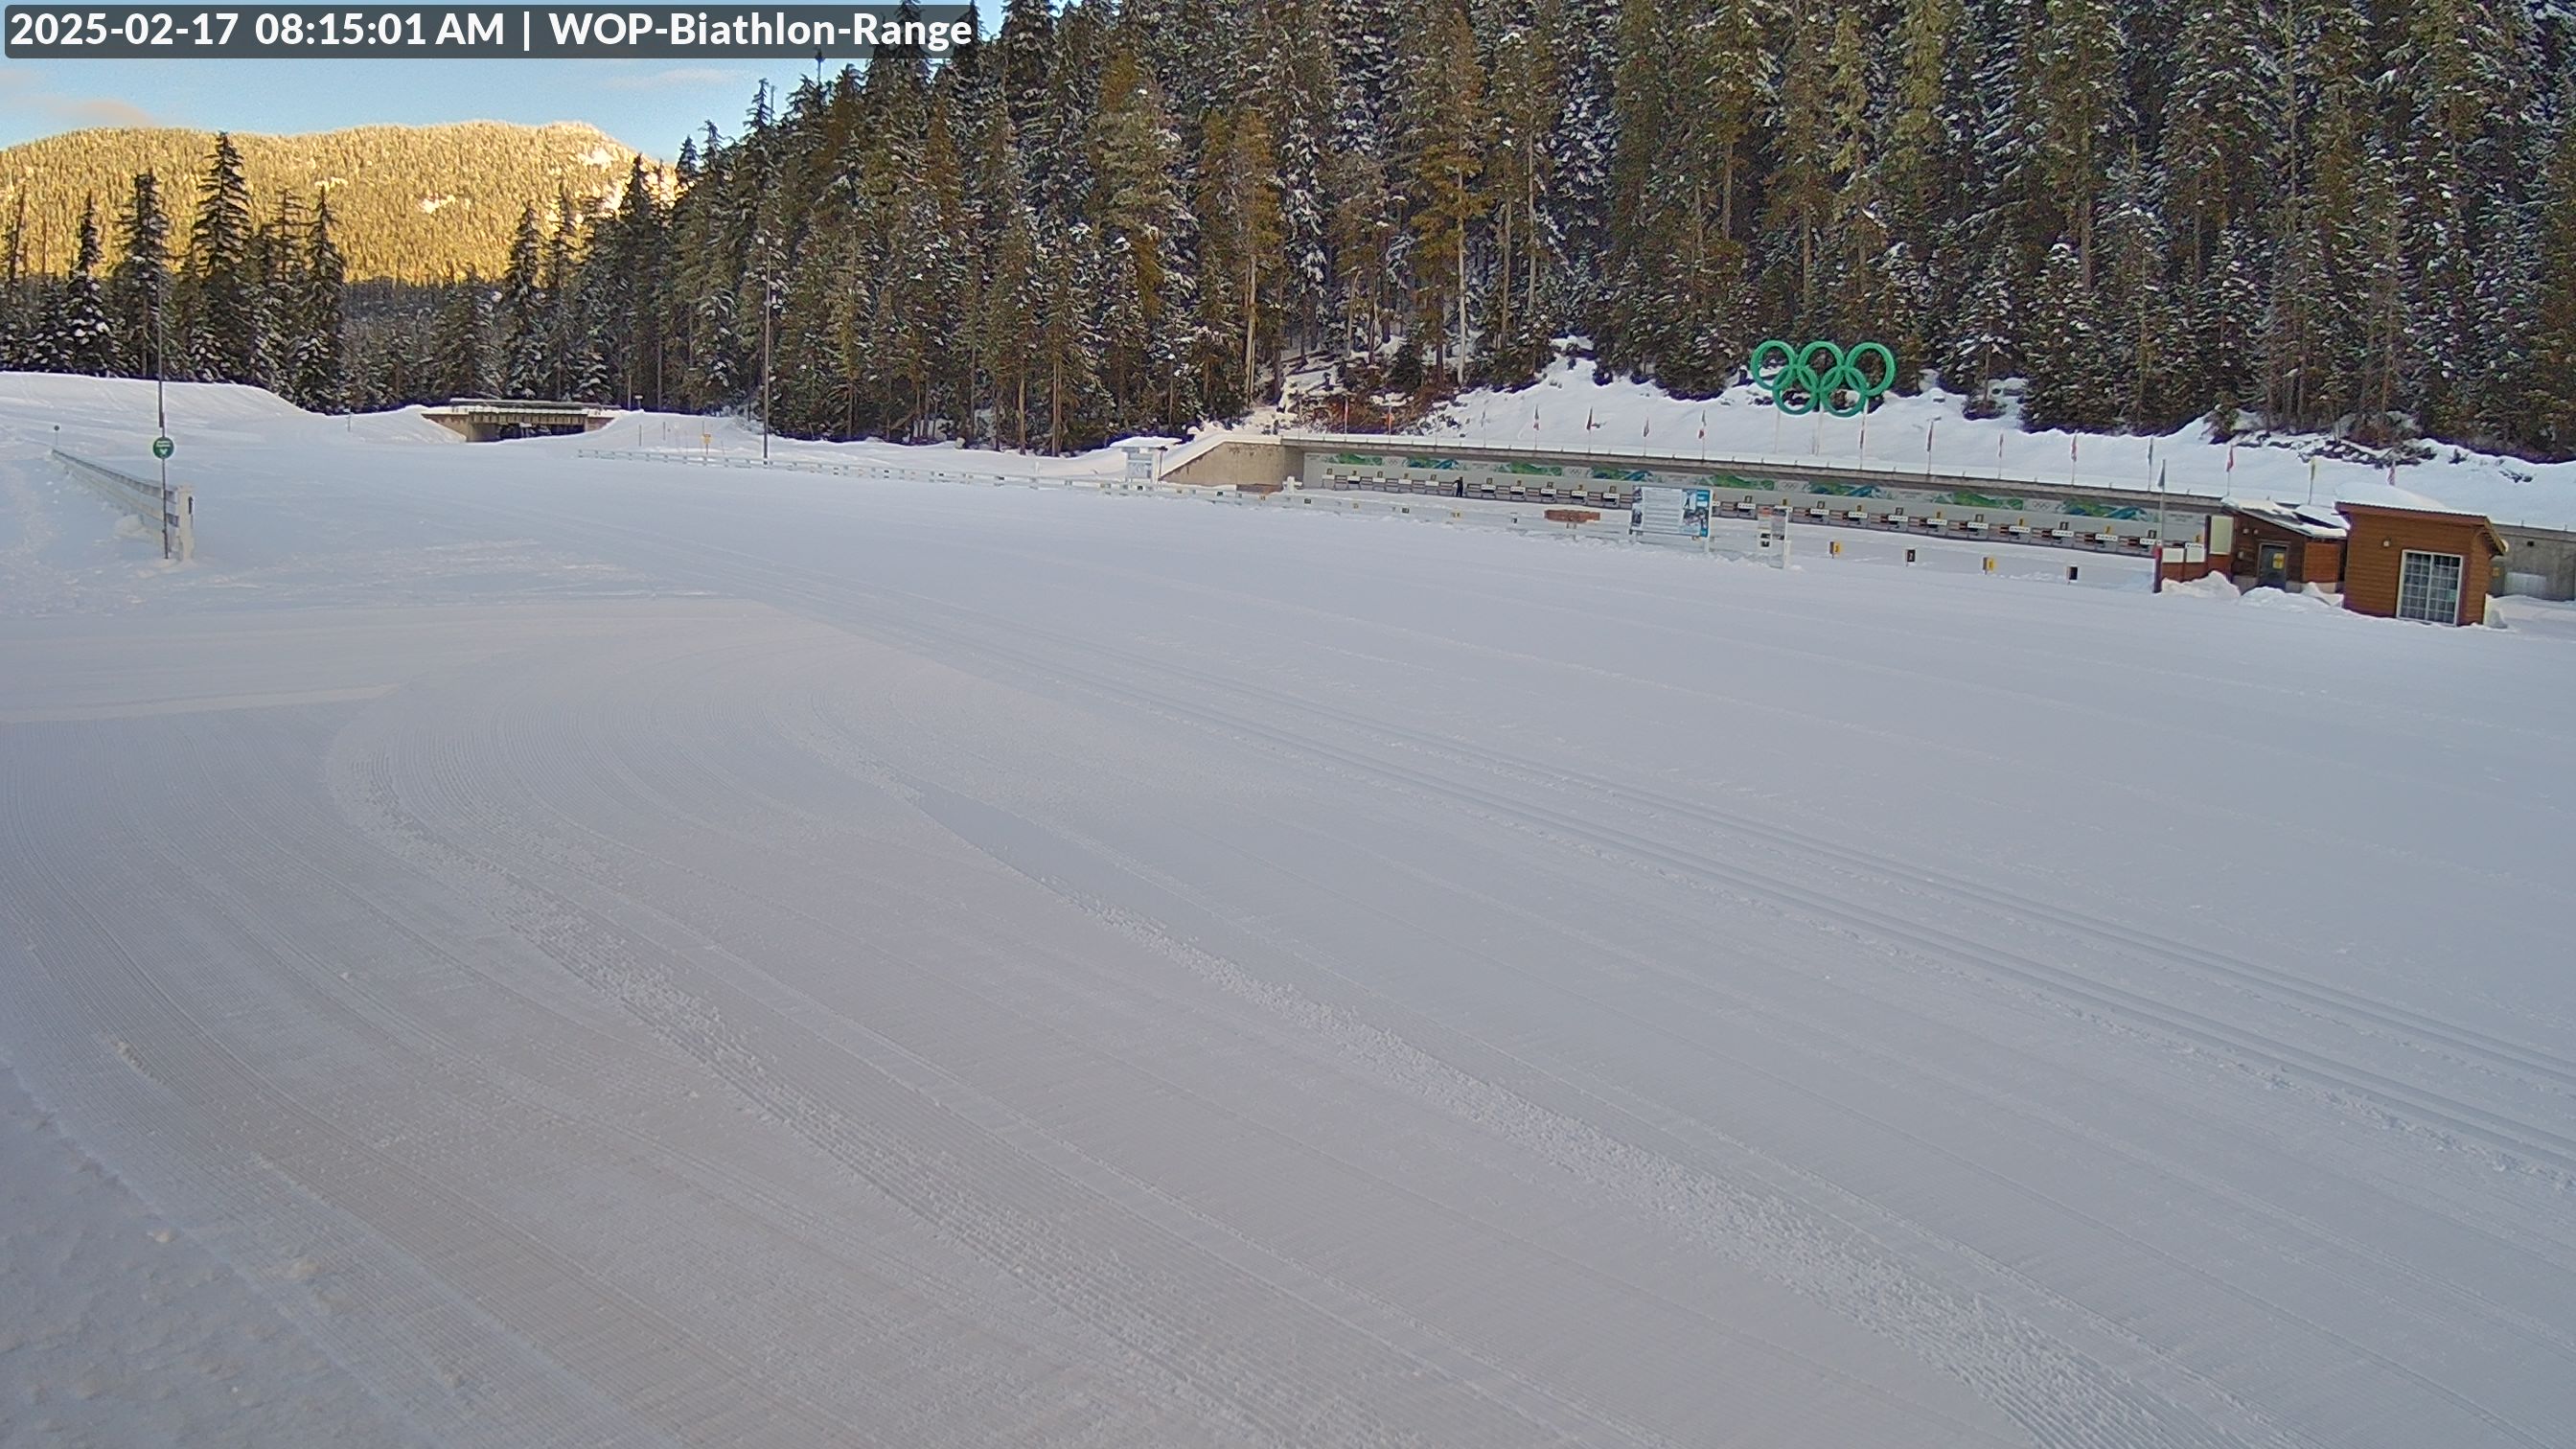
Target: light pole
{"points": [[768, 308], [161, 415], [2161, 524]]}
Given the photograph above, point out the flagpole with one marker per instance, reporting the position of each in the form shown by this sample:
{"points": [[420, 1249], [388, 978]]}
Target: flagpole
{"points": [[2160, 532]]}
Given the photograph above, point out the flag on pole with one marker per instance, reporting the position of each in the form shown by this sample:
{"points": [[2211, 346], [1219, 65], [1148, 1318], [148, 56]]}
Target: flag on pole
{"points": [[1589, 423], [2231, 455], [1703, 425], [1928, 429], [1646, 429]]}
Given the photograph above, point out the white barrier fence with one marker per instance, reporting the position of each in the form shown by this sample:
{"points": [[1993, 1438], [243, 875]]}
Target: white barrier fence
{"points": [[1764, 539], [1760, 542], [1224, 491], [842, 470], [174, 514], [1433, 510]]}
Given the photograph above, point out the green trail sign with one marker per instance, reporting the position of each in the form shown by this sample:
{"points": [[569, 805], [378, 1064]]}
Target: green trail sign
{"points": [[162, 447]]}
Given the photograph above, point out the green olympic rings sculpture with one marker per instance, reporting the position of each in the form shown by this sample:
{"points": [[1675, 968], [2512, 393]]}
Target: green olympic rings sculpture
{"points": [[1799, 385]]}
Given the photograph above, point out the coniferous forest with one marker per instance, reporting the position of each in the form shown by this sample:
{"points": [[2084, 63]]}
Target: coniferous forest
{"points": [[1131, 215]]}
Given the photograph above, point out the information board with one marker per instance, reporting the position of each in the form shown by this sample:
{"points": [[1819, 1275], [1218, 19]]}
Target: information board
{"points": [[1669, 513]]}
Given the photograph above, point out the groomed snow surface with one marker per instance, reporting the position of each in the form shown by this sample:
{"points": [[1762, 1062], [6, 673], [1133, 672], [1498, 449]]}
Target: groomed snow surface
{"points": [[516, 949]]}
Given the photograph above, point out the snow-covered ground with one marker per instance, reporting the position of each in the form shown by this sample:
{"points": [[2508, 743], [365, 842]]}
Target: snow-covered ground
{"points": [[1567, 409], [592, 951]]}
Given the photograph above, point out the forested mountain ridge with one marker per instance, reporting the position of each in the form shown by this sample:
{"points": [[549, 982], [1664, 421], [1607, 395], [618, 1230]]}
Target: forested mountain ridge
{"points": [[1130, 215], [414, 203]]}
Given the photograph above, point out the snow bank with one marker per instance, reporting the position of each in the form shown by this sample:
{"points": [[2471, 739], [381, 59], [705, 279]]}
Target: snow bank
{"points": [[1567, 408]]}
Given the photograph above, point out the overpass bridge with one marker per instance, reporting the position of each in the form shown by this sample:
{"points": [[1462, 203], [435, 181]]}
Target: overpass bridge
{"points": [[490, 419]]}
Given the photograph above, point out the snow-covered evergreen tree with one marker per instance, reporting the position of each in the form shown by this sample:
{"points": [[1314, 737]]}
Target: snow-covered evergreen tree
{"points": [[215, 307], [2226, 320], [2078, 107], [520, 312], [2550, 365], [1440, 160], [2065, 349], [139, 287], [458, 348], [319, 357], [80, 336], [2141, 325], [2216, 138]]}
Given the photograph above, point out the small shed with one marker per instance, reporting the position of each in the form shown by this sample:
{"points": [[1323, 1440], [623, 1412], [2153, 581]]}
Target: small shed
{"points": [[2287, 546], [2418, 563]]}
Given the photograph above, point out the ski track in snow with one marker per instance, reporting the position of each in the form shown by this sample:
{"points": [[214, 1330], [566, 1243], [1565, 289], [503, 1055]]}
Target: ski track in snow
{"points": [[600, 952]]}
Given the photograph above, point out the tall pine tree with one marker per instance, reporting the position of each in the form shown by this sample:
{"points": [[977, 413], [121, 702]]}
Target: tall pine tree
{"points": [[216, 305]]}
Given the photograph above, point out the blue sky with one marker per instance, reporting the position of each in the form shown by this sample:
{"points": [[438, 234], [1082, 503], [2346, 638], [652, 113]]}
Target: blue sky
{"points": [[647, 104]]}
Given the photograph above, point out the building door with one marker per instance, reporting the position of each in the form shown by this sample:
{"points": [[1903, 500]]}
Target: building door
{"points": [[2272, 566], [2428, 587]]}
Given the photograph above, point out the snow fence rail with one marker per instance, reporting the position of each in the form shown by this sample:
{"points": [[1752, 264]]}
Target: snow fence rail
{"points": [[842, 470], [174, 513]]}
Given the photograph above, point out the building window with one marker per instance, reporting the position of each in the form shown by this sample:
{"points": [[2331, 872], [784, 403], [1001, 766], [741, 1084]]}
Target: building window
{"points": [[2428, 587]]}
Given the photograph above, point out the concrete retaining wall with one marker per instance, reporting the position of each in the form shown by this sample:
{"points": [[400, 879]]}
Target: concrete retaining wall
{"points": [[2539, 562], [1235, 462]]}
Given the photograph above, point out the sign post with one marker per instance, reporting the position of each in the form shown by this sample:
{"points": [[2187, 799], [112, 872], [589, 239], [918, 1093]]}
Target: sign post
{"points": [[162, 448]]}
